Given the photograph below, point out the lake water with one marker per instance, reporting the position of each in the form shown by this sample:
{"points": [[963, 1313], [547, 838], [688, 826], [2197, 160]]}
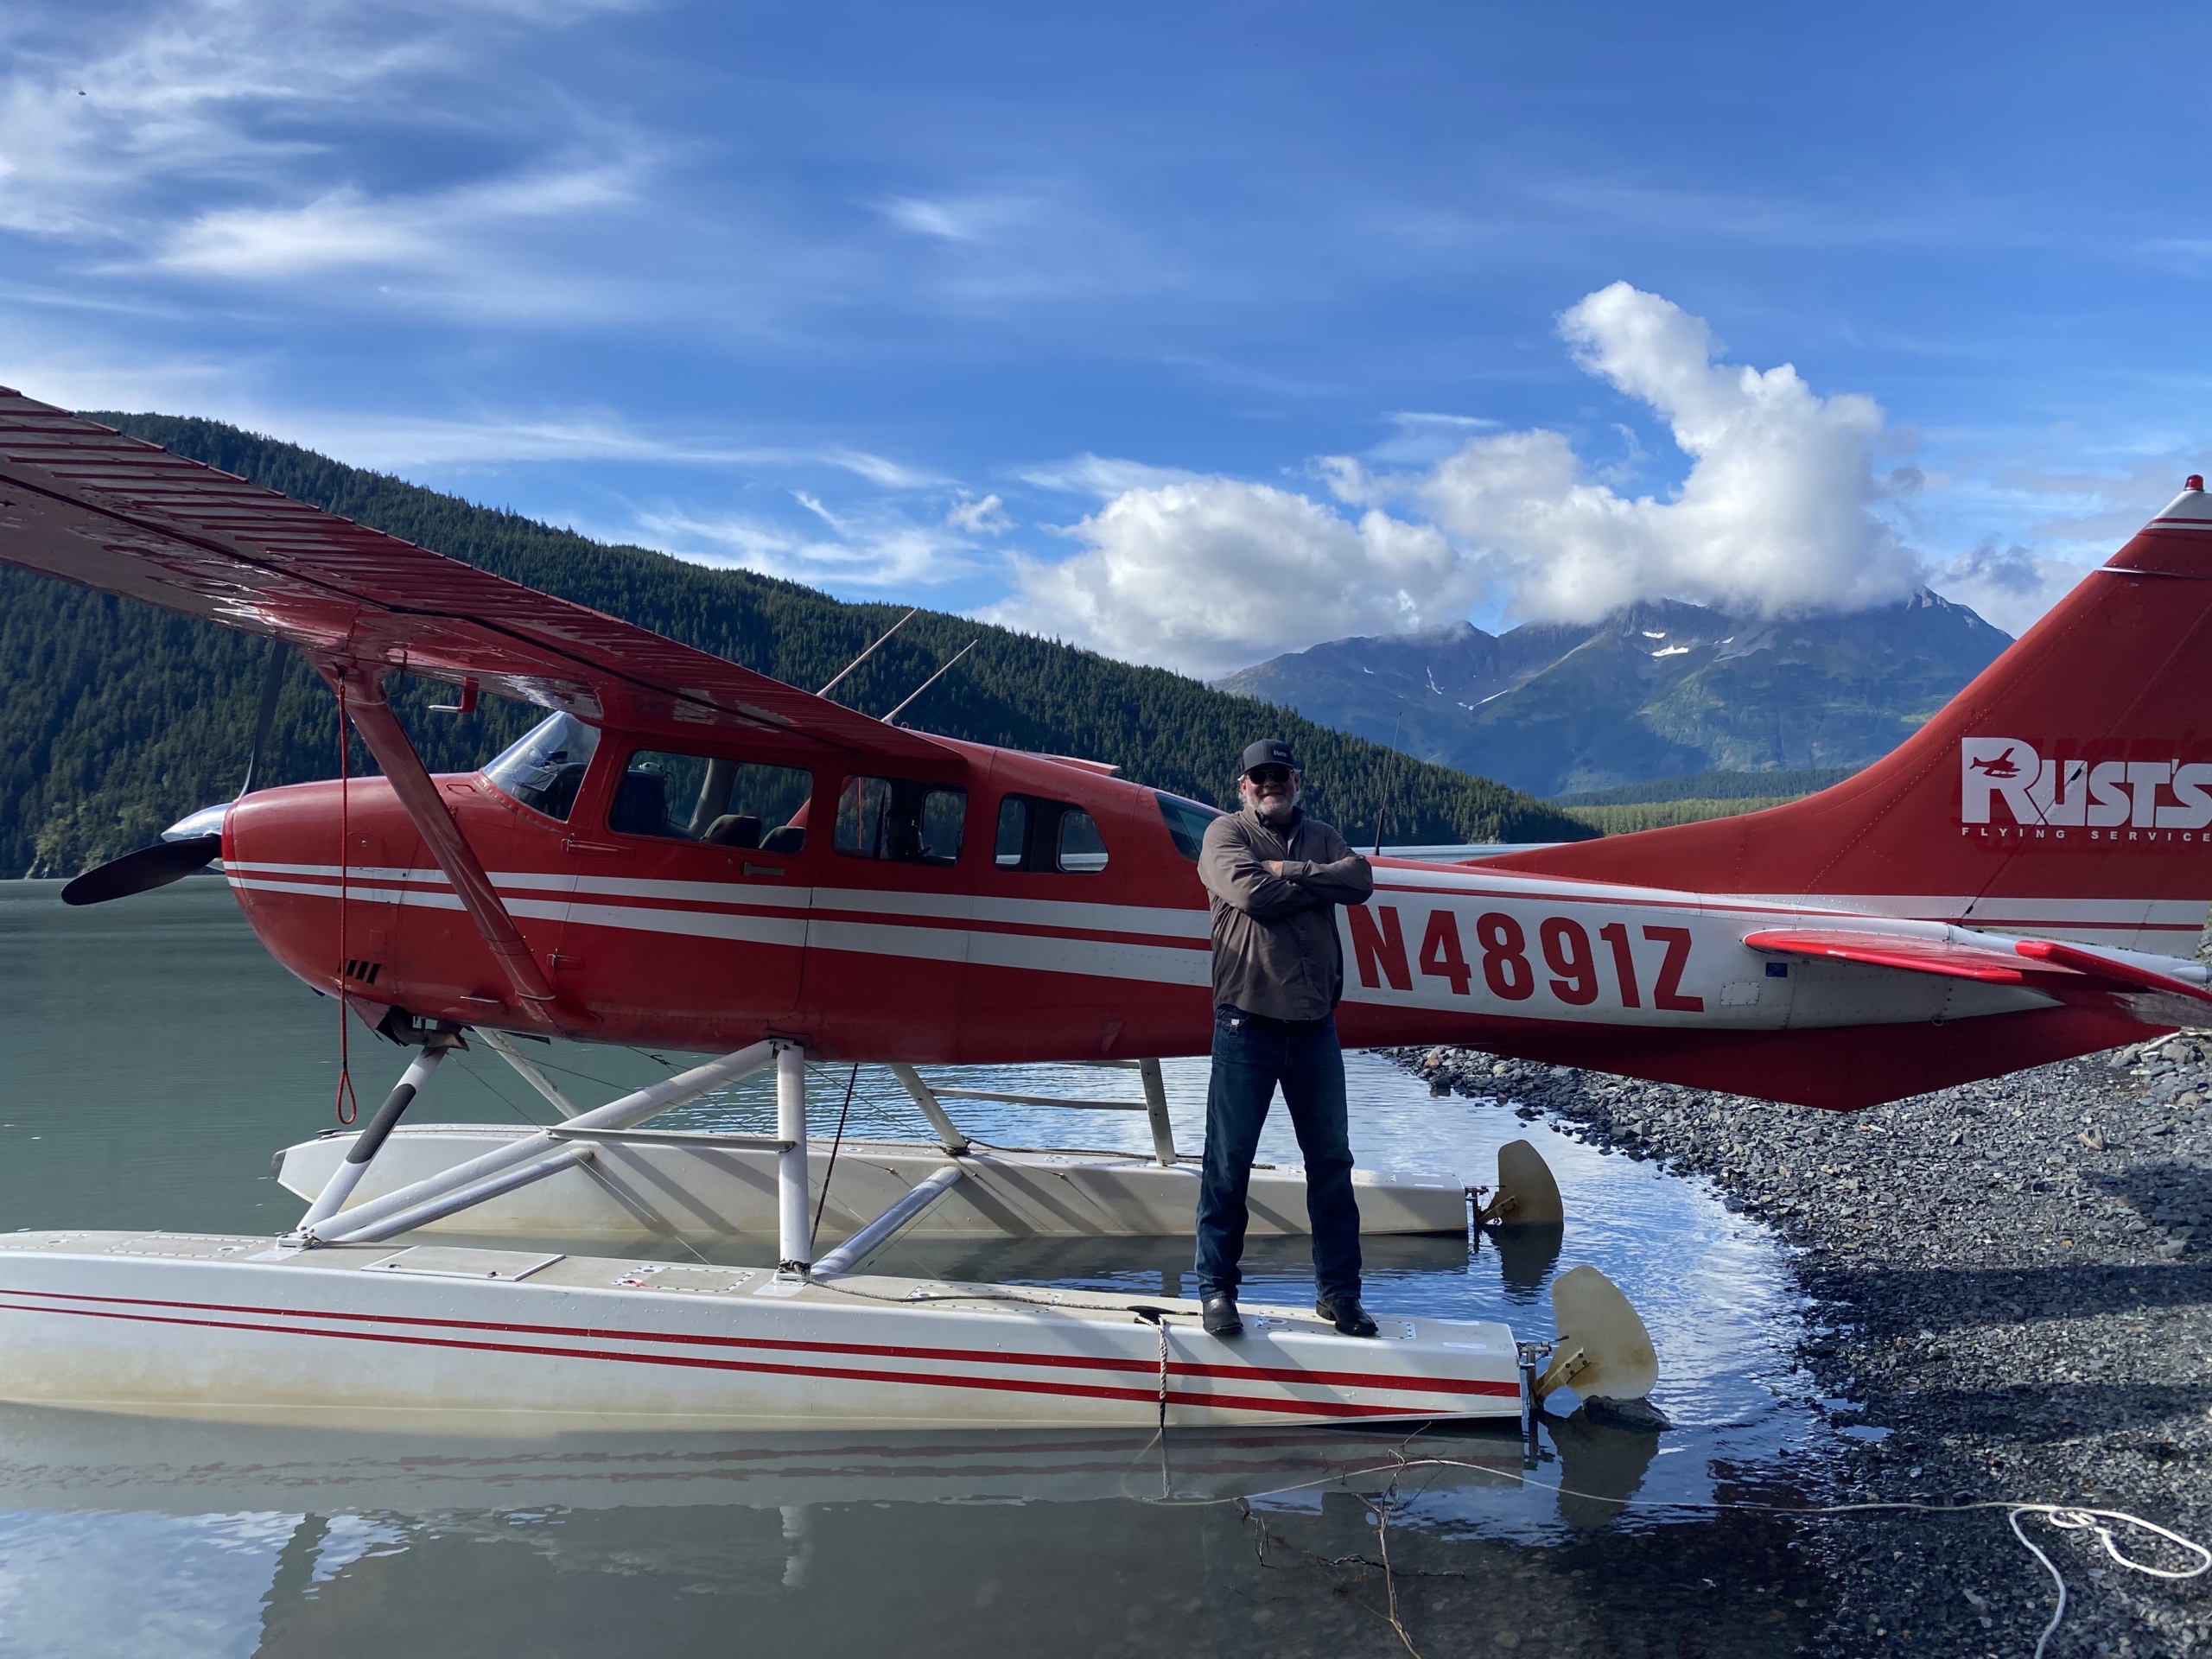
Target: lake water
{"points": [[152, 1059]]}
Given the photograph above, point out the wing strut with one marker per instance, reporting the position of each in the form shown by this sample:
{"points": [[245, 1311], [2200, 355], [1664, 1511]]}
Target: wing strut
{"points": [[403, 768]]}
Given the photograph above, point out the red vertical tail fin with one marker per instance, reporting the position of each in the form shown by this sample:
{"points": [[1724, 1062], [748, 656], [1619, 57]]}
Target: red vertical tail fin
{"points": [[2067, 791]]}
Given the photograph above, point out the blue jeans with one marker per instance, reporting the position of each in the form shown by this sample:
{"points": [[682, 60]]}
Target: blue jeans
{"points": [[1251, 1055]]}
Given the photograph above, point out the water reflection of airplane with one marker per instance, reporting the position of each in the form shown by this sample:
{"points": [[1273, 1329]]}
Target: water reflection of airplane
{"points": [[686, 854], [60, 1459], [353, 1533], [52, 1458]]}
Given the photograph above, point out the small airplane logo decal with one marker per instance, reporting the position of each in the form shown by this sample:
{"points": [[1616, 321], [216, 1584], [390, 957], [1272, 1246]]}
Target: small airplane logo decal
{"points": [[2003, 766]]}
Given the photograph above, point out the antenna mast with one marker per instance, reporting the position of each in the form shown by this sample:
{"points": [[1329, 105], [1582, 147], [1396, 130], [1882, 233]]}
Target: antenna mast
{"points": [[1382, 810], [869, 652], [932, 680]]}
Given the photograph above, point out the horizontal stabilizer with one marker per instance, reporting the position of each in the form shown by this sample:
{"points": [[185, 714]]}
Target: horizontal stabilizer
{"points": [[2046, 965], [1918, 955], [2113, 975]]}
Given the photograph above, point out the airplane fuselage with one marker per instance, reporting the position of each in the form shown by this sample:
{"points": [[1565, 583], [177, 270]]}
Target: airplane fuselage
{"points": [[985, 947]]}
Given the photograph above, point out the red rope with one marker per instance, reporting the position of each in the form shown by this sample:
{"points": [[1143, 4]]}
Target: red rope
{"points": [[349, 1108]]}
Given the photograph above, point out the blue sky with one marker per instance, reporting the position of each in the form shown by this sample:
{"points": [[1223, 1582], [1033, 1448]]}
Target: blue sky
{"points": [[1192, 334]]}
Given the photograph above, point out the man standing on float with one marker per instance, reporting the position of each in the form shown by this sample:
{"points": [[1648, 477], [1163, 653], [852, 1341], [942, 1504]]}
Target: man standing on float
{"points": [[1274, 879]]}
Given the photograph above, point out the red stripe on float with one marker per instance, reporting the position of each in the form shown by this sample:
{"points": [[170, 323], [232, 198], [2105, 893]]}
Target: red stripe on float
{"points": [[1003, 1385], [950, 1356]]}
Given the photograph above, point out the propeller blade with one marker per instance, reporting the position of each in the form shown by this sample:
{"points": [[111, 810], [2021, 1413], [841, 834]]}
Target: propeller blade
{"points": [[269, 687], [144, 870]]}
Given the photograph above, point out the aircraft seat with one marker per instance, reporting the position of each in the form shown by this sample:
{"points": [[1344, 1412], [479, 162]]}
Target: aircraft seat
{"points": [[734, 829], [640, 806]]}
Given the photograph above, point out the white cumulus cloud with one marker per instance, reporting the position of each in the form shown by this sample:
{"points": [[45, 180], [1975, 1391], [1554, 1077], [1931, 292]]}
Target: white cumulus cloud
{"points": [[1780, 511], [1199, 574]]}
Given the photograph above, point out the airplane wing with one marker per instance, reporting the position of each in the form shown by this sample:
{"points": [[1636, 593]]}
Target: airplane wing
{"points": [[81, 501]]}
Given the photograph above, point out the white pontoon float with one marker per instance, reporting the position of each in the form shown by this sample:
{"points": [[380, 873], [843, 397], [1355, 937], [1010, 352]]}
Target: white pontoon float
{"points": [[344, 1321], [706, 1189]]}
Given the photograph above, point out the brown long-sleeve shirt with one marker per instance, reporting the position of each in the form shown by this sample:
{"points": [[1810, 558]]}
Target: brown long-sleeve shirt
{"points": [[1275, 951]]}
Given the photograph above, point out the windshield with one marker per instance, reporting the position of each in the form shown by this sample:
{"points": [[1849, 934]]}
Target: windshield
{"points": [[544, 770]]}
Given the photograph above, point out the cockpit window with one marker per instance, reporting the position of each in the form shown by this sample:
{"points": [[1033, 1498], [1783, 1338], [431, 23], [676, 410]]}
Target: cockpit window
{"points": [[545, 767]]}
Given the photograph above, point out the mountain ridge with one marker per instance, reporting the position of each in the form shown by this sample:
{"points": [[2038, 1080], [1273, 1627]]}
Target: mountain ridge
{"points": [[1659, 689]]}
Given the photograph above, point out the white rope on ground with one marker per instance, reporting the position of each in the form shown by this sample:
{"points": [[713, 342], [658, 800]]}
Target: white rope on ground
{"points": [[2069, 1519]]}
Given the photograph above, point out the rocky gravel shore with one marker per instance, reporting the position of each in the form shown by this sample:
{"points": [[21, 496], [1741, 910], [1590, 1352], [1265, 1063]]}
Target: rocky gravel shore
{"points": [[2011, 1298]]}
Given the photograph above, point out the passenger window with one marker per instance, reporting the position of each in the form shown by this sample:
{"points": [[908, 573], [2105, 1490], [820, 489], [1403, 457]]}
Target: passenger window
{"points": [[712, 799], [544, 767], [1014, 833], [899, 819], [1186, 823], [1038, 835], [1081, 847]]}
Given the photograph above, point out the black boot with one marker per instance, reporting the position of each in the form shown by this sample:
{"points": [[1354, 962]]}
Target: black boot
{"points": [[1218, 1313], [1346, 1314]]}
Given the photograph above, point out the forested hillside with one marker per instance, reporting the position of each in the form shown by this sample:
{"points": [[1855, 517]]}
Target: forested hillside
{"points": [[116, 719], [1713, 787]]}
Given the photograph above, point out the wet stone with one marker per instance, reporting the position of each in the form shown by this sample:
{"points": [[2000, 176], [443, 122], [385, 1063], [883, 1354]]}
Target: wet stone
{"points": [[2009, 1289]]}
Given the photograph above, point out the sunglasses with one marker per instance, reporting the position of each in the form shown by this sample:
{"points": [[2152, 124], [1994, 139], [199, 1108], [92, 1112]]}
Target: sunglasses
{"points": [[1270, 774]]}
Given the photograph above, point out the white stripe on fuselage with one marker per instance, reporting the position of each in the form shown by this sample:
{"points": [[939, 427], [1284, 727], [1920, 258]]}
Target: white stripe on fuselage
{"points": [[1732, 986]]}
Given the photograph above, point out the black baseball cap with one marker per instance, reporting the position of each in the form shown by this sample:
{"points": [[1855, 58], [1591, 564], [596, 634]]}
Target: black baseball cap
{"points": [[1268, 752]]}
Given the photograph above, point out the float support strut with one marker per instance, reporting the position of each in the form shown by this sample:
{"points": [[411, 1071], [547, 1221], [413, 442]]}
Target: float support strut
{"points": [[632, 1108], [948, 1131], [1155, 1106], [467, 1198], [534, 995], [848, 1255], [347, 1176], [794, 1227], [500, 1043]]}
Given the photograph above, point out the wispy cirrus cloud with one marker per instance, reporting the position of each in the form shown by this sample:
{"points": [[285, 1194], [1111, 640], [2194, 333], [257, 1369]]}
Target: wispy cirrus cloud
{"points": [[987, 517], [582, 435], [1102, 476], [245, 141], [345, 227], [957, 218], [873, 549]]}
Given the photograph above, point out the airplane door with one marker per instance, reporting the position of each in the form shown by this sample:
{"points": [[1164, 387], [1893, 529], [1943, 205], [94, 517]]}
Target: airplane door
{"points": [[691, 897], [887, 939]]}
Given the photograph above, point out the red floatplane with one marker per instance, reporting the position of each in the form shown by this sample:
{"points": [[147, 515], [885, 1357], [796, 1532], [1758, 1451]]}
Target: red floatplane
{"points": [[686, 854]]}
